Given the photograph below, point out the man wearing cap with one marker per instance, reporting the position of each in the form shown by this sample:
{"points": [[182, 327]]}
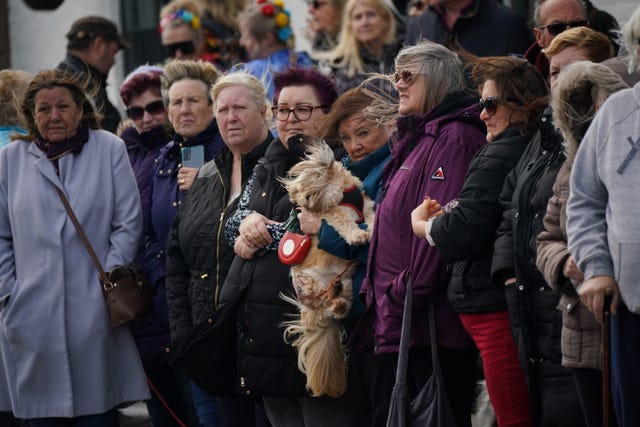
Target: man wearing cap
{"points": [[93, 42]]}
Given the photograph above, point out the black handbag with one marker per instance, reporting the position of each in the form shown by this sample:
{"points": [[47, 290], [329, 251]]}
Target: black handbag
{"points": [[430, 408], [126, 292]]}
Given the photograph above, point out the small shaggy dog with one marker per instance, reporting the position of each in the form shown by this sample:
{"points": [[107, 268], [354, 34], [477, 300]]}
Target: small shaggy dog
{"points": [[322, 282]]}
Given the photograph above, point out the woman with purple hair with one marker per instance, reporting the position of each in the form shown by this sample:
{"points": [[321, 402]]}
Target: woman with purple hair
{"points": [[267, 366]]}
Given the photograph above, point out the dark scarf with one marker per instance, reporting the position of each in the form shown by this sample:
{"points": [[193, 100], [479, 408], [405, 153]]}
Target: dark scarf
{"points": [[150, 140], [203, 138], [72, 144]]}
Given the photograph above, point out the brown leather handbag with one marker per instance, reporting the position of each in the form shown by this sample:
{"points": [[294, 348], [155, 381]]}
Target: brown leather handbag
{"points": [[126, 292]]}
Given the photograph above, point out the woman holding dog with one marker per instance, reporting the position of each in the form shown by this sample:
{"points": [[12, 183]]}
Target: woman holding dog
{"points": [[438, 133], [267, 365], [514, 95], [364, 134]]}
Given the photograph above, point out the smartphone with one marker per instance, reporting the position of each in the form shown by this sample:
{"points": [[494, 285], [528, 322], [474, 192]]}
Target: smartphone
{"points": [[193, 157]]}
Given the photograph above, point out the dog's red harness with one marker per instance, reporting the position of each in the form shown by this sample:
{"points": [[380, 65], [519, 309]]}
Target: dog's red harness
{"points": [[353, 198]]}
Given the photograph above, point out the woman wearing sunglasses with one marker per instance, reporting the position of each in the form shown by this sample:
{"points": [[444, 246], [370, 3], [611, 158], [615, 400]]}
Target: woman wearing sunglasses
{"points": [[438, 134], [514, 94], [324, 18], [181, 30], [149, 132]]}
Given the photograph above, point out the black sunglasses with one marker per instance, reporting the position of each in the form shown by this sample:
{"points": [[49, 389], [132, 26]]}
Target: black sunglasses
{"points": [[555, 29], [317, 4], [187, 48], [153, 108], [490, 104], [406, 76]]}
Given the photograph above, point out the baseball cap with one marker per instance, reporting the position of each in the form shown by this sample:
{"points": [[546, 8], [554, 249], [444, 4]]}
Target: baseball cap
{"points": [[86, 29]]}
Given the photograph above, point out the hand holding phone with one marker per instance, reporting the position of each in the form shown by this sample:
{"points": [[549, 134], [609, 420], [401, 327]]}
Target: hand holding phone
{"points": [[193, 157]]}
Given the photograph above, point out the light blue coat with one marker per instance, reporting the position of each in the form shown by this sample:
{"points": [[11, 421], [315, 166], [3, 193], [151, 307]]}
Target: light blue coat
{"points": [[59, 355]]}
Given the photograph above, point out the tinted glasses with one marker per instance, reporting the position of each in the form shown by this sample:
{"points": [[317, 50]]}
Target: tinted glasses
{"points": [[316, 4], [555, 29], [490, 104], [406, 76], [153, 108], [187, 48], [301, 112]]}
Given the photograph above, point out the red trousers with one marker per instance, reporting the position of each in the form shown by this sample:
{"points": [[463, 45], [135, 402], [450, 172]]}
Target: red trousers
{"points": [[505, 379]]}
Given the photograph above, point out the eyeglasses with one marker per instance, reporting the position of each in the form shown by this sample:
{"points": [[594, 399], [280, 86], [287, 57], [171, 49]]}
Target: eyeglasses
{"points": [[187, 48], [406, 76], [153, 108], [300, 112], [555, 29], [490, 104], [316, 4]]}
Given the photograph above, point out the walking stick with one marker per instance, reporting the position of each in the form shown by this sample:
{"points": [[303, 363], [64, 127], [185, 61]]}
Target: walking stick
{"points": [[607, 413]]}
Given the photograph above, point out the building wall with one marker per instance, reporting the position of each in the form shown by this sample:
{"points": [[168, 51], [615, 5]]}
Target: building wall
{"points": [[37, 38]]}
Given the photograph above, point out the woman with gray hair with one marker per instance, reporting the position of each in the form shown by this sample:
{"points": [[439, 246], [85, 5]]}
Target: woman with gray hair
{"points": [[439, 132], [581, 89]]}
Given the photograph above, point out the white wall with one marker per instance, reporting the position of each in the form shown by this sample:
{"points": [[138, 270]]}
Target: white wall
{"points": [[37, 38]]}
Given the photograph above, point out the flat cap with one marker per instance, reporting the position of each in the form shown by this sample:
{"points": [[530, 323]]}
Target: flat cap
{"points": [[87, 28]]}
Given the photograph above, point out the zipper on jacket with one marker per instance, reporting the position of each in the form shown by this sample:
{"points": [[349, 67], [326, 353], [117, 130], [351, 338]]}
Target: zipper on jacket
{"points": [[216, 292]]}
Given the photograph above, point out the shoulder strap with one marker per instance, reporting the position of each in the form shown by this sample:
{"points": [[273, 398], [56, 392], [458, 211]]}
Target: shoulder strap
{"points": [[83, 236]]}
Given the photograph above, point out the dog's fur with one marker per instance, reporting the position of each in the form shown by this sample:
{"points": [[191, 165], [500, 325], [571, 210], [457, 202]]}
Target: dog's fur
{"points": [[322, 282]]}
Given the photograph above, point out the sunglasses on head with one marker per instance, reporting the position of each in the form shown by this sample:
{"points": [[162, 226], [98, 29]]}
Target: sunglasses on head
{"points": [[490, 104], [187, 48], [406, 76], [316, 4], [153, 108], [555, 29]]}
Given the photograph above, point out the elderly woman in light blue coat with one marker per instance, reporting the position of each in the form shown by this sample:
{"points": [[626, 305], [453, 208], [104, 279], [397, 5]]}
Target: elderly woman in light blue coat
{"points": [[60, 358]]}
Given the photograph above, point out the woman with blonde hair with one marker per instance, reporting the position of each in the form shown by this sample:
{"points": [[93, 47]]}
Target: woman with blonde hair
{"points": [[580, 90], [198, 255], [13, 84], [324, 18], [367, 43]]}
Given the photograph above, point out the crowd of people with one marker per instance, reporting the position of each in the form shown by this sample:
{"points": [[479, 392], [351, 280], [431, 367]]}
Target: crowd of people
{"points": [[498, 160]]}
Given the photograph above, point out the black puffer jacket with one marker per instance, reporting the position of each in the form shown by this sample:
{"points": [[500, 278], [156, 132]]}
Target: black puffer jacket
{"points": [[198, 255], [266, 365], [535, 321], [465, 236]]}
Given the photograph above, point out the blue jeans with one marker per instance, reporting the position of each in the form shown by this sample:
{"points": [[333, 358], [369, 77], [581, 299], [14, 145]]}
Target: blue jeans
{"points": [[625, 369], [206, 407], [107, 419]]}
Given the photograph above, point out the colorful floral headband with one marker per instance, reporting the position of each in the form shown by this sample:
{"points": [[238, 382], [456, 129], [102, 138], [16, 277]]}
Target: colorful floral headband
{"points": [[188, 17], [281, 18]]}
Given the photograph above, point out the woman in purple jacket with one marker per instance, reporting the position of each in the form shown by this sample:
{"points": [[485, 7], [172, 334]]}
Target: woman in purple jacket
{"points": [[438, 134], [148, 132]]}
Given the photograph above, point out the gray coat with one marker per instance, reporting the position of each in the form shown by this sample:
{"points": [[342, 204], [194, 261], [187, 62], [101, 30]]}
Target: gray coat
{"points": [[602, 213], [59, 355]]}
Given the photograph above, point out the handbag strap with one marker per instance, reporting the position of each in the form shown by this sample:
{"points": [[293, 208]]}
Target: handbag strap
{"points": [[83, 236], [405, 336]]}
